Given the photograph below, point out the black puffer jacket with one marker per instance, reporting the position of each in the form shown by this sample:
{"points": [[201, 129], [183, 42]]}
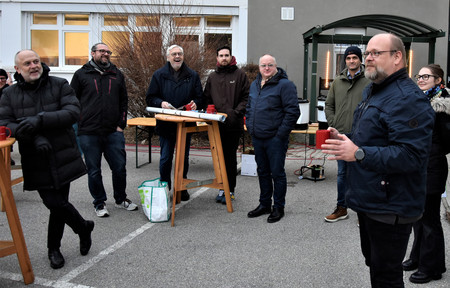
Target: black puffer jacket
{"points": [[437, 169], [103, 99], [55, 101]]}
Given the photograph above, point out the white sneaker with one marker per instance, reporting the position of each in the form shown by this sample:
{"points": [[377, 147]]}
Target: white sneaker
{"points": [[127, 204], [101, 211]]}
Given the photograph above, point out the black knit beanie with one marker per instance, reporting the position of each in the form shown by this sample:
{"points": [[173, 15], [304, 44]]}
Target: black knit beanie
{"points": [[353, 50]]}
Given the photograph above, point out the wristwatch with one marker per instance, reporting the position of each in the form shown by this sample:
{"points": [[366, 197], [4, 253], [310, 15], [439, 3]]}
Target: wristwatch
{"points": [[359, 154]]}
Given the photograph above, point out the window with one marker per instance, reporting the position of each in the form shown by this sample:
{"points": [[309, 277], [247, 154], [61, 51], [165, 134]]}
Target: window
{"points": [[218, 21], [115, 20], [287, 13], [76, 19], [46, 44], [75, 44], [64, 40], [60, 39], [187, 21]]}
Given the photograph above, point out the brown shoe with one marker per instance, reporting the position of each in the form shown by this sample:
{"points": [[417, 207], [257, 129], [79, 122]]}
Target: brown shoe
{"points": [[339, 213]]}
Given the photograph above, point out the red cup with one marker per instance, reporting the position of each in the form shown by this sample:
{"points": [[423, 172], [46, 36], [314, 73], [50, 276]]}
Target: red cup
{"points": [[321, 136], [3, 130], [188, 107], [211, 109]]}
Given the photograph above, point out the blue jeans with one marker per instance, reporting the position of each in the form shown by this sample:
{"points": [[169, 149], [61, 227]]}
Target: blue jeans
{"points": [[167, 143], [342, 169], [270, 156], [113, 147]]}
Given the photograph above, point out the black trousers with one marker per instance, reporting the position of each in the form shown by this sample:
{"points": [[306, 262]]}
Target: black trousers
{"points": [[429, 248], [230, 143], [384, 248], [61, 212]]}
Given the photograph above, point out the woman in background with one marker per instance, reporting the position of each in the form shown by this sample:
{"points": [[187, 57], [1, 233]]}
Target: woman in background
{"points": [[428, 251]]}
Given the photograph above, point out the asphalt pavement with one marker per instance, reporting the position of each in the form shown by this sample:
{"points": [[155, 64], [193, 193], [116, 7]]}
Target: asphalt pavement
{"points": [[208, 247]]}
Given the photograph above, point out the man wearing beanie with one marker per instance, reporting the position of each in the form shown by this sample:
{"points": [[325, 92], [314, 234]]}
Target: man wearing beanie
{"points": [[344, 95]]}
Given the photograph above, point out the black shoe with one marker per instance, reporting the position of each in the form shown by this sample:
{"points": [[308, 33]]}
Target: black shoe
{"points": [[276, 215], [56, 258], [420, 277], [409, 265], [185, 195], [85, 238], [260, 210]]}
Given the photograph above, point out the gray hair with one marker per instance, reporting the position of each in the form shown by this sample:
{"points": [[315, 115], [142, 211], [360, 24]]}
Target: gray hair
{"points": [[274, 60], [172, 47], [16, 57]]}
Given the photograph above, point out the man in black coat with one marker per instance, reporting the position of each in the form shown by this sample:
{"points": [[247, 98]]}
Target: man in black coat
{"points": [[101, 89], [40, 111]]}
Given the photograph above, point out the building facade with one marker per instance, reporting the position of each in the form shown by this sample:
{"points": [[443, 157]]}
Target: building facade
{"points": [[63, 31]]}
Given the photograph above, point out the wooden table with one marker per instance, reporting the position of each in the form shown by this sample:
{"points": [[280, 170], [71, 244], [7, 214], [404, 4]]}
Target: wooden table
{"points": [[221, 180], [312, 129], [149, 126], [17, 245]]}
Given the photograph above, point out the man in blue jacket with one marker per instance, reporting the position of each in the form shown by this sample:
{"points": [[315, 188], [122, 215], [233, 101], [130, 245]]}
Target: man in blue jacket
{"points": [[272, 111], [387, 154], [173, 86]]}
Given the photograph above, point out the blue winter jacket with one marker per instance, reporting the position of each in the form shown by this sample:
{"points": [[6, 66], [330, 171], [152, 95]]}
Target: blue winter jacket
{"points": [[164, 87], [273, 109], [393, 125]]}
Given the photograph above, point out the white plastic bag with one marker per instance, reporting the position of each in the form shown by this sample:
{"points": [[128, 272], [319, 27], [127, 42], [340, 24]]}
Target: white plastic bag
{"points": [[155, 200]]}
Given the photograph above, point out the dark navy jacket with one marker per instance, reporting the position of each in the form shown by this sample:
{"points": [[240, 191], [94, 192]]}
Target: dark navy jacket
{"points": [[393, 124], [273, 109], [164, 87]]}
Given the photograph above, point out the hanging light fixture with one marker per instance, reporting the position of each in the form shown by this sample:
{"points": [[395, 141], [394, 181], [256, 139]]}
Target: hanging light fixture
{"points": [[410, 62], [327, 70]]}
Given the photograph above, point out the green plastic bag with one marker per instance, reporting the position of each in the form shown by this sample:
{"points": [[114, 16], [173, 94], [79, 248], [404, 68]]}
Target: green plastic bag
{"points": [[155, 200]]}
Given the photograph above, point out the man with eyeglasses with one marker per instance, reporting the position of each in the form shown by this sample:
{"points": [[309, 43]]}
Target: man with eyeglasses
{"points": [[5, 81], [101, 89], [227, 88], [272, 111], [173, 86], [387, 154], [344, 95]]}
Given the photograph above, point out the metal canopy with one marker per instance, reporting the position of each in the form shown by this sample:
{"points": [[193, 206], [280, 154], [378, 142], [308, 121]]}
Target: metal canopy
{"points": [[408, 30]]}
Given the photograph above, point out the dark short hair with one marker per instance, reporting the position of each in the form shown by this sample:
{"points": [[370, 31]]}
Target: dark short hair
{"points": [[94, 47], [436, 70], [223, 47]]}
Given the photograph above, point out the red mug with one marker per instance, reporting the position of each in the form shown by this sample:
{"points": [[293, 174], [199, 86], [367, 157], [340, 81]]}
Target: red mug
{"points": [[3, 133], [211, 109], [321, 136]]}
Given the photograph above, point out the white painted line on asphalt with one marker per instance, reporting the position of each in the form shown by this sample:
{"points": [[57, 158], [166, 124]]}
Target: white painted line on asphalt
{"points": [[64, 281]]}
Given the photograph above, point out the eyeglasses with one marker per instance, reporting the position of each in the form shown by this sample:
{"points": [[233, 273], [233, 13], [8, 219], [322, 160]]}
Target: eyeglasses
{"points": [[266, 65], [2, 79], [174, 54], [375, 54], [104, 51], [425, 77]]}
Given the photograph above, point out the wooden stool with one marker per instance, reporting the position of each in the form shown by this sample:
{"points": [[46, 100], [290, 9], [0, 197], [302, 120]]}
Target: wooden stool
{"points": [[221, 180], [17, 245]]}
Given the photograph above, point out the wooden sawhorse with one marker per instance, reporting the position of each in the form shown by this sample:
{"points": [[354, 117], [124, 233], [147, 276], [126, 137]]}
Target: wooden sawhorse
{"points": [[221, 180], [17, 245]]}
